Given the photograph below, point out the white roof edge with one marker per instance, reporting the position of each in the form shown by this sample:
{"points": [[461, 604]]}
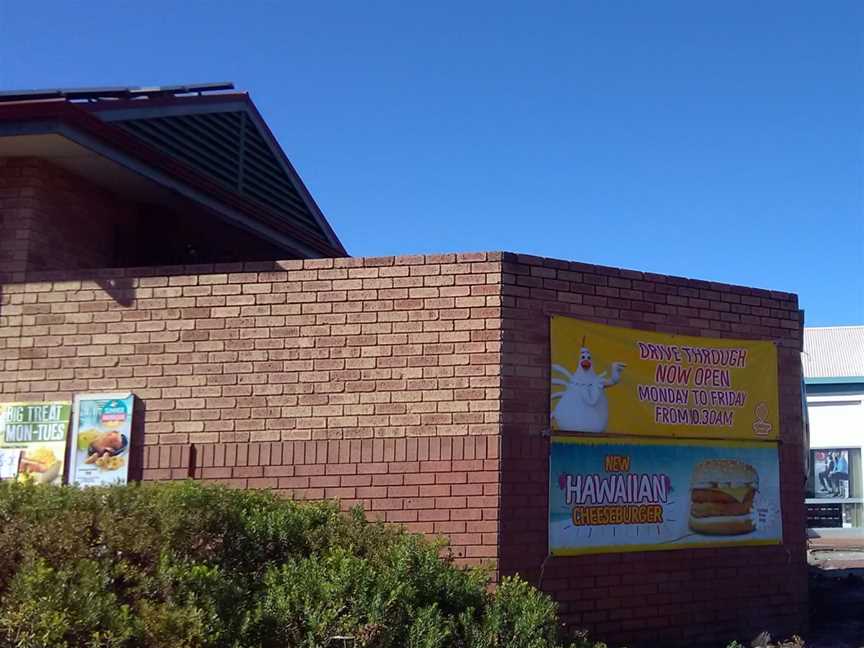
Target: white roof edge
{"points": [[839, 326]]}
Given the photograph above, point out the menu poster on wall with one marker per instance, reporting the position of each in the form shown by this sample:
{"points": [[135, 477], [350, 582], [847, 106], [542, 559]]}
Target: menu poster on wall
{"points": [[632, 494], [34, 434], [607, 379], [99, 453]]}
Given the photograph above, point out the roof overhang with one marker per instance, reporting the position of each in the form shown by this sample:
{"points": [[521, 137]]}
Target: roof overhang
{"points": [[69, 135]]}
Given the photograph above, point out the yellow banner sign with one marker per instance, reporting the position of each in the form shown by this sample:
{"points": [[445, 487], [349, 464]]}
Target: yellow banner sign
{"points": [[613, 380]]}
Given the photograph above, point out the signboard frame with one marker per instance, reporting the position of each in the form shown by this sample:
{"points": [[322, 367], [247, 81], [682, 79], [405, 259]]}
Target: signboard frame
{"points": [[632, 382], [736, 450], [111, 453], [42, 459]]}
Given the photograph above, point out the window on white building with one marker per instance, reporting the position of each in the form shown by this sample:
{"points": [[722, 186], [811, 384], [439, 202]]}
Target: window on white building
{"points": [[834, 497]]}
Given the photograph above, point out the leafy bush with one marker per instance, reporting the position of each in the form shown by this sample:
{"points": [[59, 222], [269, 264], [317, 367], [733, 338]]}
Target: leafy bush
{"points": [[187, 566], [764, 641]]}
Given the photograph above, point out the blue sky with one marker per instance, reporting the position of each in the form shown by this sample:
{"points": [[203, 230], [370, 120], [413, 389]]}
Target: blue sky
{"points": [[713, 140]]}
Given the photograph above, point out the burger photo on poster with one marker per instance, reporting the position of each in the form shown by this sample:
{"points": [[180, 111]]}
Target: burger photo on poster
{"points": [[721, 497]]}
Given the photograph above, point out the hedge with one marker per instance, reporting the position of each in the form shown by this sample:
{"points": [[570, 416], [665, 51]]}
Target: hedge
{"points": [[183, 565]]}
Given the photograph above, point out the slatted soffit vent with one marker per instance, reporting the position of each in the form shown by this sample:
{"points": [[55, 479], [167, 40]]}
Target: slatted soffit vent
{"points": [[217, 133], [227, 147]]}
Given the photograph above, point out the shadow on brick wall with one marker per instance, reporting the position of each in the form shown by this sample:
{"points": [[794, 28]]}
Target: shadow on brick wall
{"points": [[120, 289], [524, 542], [118, 284], [121, 283], [136, 448]]}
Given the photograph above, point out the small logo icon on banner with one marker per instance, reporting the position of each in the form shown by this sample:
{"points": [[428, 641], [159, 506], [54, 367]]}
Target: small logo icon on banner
{"points": [[760, 426]]}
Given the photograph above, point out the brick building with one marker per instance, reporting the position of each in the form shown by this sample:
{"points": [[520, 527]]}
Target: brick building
{"points": [[417, 386]]}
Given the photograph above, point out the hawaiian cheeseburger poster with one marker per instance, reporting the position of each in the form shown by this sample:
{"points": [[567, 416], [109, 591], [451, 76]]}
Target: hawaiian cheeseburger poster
{"points": [[613, 380], [614, 495]]}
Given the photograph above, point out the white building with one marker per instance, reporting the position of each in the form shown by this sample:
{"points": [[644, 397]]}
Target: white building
{"points": [[834, 376]]}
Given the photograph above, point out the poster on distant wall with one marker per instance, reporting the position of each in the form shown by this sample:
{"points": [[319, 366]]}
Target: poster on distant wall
{"points": [[607, 379], [831, 469], [33, 442], [101, 437], [636, 494]]}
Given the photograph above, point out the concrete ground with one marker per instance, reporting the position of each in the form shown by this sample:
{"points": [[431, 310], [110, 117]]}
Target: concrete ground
{"points": [[836, 593]]}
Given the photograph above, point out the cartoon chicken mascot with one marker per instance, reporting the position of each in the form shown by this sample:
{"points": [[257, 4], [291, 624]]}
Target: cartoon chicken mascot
{"points": [[582, 406]]}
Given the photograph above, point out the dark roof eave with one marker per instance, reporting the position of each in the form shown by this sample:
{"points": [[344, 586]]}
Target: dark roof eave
{"points": [[242, 98], [41, 112]]}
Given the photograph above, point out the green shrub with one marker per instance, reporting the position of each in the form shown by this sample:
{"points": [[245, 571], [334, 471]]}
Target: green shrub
{"points": [[70, 606], [187, 566], [520, 616]]}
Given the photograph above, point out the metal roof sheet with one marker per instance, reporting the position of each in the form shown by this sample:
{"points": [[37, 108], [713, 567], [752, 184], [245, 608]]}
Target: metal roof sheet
{"points": [[115, 92], [834, 352]]}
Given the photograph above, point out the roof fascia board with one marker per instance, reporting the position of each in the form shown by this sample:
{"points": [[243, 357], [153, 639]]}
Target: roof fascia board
{"points": [[40, 127], [188, 101], [819, 393], [168, 110], [832, 380]]}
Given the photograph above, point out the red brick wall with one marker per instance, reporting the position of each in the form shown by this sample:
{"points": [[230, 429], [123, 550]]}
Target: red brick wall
{"points": [[16, 212], [682, 595], [417, 386], [56, 219], [397, 359], [435, 485], [51, 219]]}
